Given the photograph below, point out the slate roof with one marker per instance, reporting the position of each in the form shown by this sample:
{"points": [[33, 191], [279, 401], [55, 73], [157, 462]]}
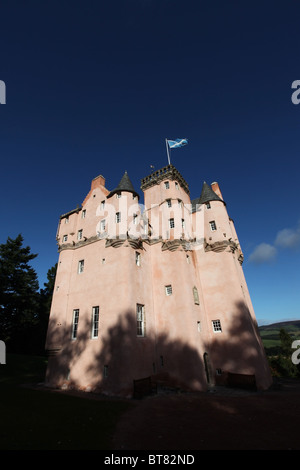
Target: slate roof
{"points": [[124, 185], [207, 195]]}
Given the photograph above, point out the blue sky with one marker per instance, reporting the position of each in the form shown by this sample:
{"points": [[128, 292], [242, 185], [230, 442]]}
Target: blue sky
{"points": [[96, 87]]}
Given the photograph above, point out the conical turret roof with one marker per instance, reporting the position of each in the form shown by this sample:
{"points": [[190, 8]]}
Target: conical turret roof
{"points": [[207, 194], [124, 185]]}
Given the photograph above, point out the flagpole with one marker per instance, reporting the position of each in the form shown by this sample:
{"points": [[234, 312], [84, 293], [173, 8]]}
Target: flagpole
{"points": [[168, 151]]}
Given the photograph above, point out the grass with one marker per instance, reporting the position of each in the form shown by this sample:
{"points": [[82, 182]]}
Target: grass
{"points": [[45, 420], [270, 334]]}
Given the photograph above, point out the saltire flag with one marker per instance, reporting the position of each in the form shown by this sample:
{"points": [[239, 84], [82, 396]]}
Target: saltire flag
{"points": [[173, 144]]}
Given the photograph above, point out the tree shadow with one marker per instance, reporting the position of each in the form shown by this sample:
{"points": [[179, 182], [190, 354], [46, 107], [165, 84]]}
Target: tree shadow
{"points": [[112, 362], [237, 356]]}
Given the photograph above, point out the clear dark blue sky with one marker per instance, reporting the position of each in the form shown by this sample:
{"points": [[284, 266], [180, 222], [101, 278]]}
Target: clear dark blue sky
{"points": [[95, 88]]}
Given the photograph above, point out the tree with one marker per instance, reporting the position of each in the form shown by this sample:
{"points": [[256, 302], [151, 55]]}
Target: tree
{"points": [[44, 310], [19, 296]]}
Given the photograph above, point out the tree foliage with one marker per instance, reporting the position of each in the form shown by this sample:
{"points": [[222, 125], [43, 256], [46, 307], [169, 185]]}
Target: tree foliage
{"points": [[24, 310], [282, 364]]}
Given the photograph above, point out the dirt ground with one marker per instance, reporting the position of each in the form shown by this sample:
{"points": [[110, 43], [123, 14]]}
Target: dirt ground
{"points": [[221, 419]]}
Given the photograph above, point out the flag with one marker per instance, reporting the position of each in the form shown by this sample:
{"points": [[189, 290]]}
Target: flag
{"points": [[173, 144]]}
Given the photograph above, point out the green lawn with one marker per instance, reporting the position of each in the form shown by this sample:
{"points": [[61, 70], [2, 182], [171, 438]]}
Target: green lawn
{"points": [[35, 419]]}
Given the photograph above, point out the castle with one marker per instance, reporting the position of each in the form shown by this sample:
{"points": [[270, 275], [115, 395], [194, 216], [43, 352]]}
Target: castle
{"points": [[151, 290]]}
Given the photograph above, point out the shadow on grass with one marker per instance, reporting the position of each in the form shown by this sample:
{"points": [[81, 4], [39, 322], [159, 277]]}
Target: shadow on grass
{"points": [[45, 420]]}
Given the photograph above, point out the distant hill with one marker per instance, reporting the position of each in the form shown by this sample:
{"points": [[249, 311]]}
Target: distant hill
{"points": [[270, 334]]}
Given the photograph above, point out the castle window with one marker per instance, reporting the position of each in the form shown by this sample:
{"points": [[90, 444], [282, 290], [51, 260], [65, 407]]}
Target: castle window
{"points": [[169, 203], [188, 259], [135, 219], [65, 238], [79, 235], [102, 205], [208, 205], [118, 195], [196, 295], [216, 324], [140, 320], [176, 185], [213, 226], [182, 223], [75, 323], [167, 185], [168, 289], [67, 220], [137, 258], [179, 202], [80, 266], [199, 326], [102, 225], [118, 217], [83, 214], [171, 223], [103, 260], [95, 322]]}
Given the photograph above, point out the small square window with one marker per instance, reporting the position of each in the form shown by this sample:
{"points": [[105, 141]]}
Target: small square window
{"points": [[167, 185], [213, 226], [168, 290], [216, 324], [65, 238]]}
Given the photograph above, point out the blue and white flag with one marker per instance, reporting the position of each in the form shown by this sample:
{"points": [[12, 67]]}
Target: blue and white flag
{"points": [[174, 144]]}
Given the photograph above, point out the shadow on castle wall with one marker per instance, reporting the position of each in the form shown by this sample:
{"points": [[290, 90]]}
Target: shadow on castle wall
{"points": [[112, 362]]}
